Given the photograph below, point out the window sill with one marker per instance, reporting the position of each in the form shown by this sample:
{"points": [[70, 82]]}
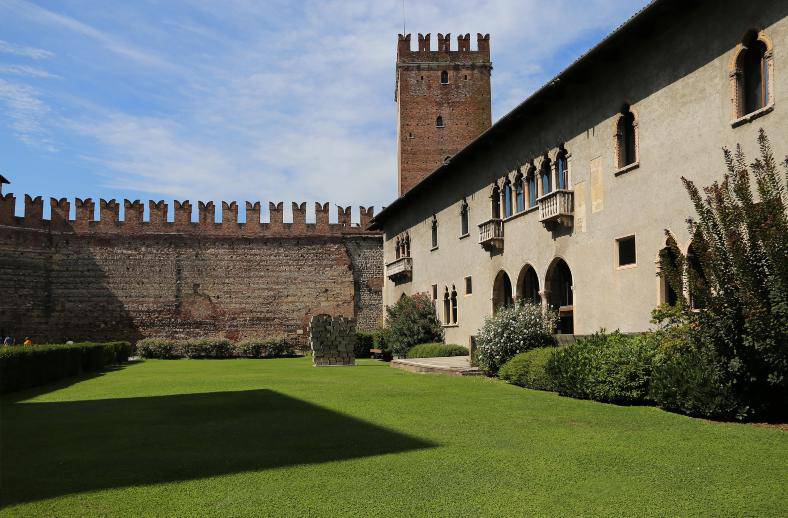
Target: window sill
{"points": [[752, 116], [627, 267], [433, 248], [626, 168], [450, 325], [521, 213], [464, 236]]}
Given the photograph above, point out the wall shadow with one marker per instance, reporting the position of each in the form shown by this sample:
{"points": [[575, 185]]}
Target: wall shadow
{"points": [[60, 448]]}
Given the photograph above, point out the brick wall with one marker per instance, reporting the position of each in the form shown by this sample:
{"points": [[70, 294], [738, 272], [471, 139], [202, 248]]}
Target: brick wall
{"points": [[60, 281]]}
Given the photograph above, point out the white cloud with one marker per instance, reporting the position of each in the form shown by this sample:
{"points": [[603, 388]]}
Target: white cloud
{"points": [[25, 111], [27, 52], [24, 70]]}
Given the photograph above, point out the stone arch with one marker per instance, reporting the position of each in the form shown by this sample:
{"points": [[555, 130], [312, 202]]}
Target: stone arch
{"points": [[528, 285], [502, 291], [559, 292]]}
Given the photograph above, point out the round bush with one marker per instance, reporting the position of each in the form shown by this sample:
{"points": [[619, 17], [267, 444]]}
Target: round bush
{"points": [[512, 330], [528, 369], [409, 322], [159, 348], [437, 350]]}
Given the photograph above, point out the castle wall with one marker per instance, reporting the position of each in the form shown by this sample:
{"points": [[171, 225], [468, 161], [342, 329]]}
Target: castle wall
{"points": [[111, 279]]}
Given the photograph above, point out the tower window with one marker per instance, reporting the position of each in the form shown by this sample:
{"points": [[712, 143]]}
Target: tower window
{"points": [[444, 78], [439, 122]]}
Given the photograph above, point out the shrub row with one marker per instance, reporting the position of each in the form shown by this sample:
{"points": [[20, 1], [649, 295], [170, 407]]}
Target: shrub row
{"points": [[214, 348], [29, 366], [435, 350]]}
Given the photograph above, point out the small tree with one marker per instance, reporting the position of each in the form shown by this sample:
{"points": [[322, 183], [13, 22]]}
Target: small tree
{"points": [[739, 277], [409, 322], [512, 330]]}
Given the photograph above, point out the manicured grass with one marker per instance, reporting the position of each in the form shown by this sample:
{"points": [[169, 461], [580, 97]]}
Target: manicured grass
{"points": [[279, 437]]}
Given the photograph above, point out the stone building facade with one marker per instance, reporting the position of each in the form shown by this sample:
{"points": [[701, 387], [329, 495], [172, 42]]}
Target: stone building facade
{"points": [[566, 199], [443, 102], [114, 278]]}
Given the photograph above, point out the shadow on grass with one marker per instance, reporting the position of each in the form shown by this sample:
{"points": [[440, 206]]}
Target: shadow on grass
{"points": [[54, 449]]}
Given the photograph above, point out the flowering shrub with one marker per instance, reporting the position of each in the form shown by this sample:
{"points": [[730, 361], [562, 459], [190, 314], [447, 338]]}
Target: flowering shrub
{"points": [[513, 330], [409, 322]]}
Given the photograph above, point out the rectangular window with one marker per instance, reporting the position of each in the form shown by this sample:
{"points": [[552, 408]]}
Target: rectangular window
{"points": [[434, 292], [468, 286], [626, 251]]}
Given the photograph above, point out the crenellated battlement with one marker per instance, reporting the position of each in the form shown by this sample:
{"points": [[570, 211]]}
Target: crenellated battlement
{"points": [[444, 52], [158, 222]]}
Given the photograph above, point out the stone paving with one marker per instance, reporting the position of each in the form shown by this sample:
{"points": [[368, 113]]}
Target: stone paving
{"points": [[451, 365]]}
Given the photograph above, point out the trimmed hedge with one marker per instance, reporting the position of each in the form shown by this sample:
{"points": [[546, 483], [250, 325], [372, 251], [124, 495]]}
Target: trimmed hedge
{"points": [[435, 350], [29, 366], [529, 369], [608, 367], [214, 348]]}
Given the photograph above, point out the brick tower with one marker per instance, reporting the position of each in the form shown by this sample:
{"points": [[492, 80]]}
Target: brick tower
{"points": [[443, 102]]}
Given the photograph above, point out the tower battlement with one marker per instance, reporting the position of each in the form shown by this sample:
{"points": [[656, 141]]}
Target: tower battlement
{"points": [[444, 52]]}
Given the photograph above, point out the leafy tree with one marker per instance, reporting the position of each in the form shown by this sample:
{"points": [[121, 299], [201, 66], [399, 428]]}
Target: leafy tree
{"points": [[409, 322], [738, 277]]}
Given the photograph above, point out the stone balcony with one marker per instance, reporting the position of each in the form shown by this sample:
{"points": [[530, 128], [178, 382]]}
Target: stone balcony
{"points": [[491, 234], [557, 208], [400, 269]]}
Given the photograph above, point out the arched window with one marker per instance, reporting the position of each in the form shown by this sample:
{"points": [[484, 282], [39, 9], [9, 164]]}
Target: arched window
{"points": [[670, 273], [519, 193], [406, 245], [626, 138], [562, 170], [453, 305], [751, 74], [697, 283], [439, 122], [464, 218], [532, 190], [545, 174], [495, 202], [446, 306], [434, 231], [507, 198], [398, 249], [444, 77]]}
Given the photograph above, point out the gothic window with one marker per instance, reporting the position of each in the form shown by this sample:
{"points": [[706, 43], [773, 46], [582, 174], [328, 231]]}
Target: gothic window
{"points": [[626, 138], [562, 170], [532, 193], [444, 78], [464, 218], [507, 198], [398, 249], [751, 74], [434, 232], [406, 245], [545, 174], [446, 306], [453, 305], [495, 202], [439, 122], [519, 193]]}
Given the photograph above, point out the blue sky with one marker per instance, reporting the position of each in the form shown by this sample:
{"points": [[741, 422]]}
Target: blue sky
{"points": [[244, 99]]}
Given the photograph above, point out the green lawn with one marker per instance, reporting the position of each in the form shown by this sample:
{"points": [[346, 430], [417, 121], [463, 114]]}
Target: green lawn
{"points": [[279, 437]]}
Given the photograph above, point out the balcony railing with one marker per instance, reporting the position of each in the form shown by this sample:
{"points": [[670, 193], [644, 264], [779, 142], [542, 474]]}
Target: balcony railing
{"points": [[491, 234], [400, 269], [557, 207]]}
